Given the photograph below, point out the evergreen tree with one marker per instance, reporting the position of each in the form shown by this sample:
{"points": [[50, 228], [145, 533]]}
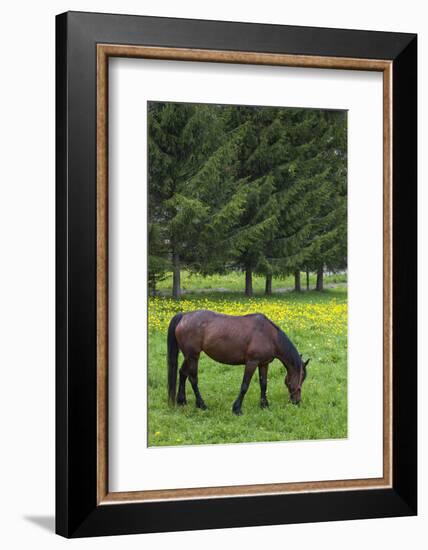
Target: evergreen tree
{"points": [[280, 135], [158, 261], [306, 150], [181, 137], [328, 236], [259, 189], [258, 218]]}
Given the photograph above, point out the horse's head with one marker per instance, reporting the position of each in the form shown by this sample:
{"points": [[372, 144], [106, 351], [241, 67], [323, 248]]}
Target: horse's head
{"points": [[294, 381]]}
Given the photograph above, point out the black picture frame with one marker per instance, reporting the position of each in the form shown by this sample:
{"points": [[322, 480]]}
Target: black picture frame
{"points": [[77, 511]]}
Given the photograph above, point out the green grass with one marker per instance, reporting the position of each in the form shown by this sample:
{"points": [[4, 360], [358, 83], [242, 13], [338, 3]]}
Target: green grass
{"points": [[322, 413], [234, 281]]}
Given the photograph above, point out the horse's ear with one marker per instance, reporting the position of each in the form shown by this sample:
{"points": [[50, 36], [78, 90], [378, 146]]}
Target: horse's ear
{"points": [[306, 362]]}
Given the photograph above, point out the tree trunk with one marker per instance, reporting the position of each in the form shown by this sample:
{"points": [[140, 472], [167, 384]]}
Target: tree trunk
{"points": [[320, 279], [307, 279], [176, 276], [248, 281], [297, 285], [268, 287]]}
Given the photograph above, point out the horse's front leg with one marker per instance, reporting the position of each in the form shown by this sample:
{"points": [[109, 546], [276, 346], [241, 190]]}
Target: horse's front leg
{"points": [[193, 377], [263, 369], [250, 367]]}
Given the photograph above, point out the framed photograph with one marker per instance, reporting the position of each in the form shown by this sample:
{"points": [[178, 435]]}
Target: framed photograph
{"points": [[236, 274]]}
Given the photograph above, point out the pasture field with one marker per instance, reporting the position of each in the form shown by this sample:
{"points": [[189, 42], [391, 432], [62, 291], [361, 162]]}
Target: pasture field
{"points": [[233, 281], [316, 322]]}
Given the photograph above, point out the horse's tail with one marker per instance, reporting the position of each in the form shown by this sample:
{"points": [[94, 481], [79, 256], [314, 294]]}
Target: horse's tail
{"points": [[172, 357]]}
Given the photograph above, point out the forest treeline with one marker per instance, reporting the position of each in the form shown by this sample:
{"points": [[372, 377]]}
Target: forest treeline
{"points": [[257, 189]]}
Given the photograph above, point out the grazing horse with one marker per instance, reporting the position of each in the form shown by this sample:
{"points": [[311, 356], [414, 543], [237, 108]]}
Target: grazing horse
{"points": [[251, 340]]}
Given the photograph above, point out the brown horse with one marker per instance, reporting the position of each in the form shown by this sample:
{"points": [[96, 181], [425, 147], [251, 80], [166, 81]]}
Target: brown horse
{"points": [[251, 340]]}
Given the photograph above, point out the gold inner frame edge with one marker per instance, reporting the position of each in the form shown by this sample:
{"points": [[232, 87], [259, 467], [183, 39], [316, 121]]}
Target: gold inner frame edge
{"points": [[104, 51]]}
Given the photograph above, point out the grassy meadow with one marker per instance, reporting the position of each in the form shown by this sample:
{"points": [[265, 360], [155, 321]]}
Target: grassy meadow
{"points": [[316, 322], [233, 282]]}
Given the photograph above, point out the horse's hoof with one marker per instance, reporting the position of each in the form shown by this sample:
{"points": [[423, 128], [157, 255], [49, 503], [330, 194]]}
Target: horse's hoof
{"points": [[236, 410], [264, 404], [201, 406], [181, 402]]}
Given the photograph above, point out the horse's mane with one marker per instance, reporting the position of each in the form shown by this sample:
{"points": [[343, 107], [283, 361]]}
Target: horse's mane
{"points": [[287, 345]]}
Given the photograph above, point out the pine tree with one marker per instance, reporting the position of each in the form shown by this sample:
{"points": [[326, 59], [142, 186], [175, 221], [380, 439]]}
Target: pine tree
{"points": [[158, 261], [328, 238], [259, 189], [307, 152], [181, 137], [281, 133], [258, 218], [195, 195]]}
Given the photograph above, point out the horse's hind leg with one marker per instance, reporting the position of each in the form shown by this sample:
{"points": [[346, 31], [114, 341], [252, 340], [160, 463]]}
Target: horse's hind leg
{"points": [[193, 377], [263, 385], [184, 373], [250, 367]]}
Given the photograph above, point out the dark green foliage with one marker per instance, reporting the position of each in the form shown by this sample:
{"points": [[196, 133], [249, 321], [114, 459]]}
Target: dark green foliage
{"points": [[258, 189], [181, 139], [159, 264], [306, 155]]}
